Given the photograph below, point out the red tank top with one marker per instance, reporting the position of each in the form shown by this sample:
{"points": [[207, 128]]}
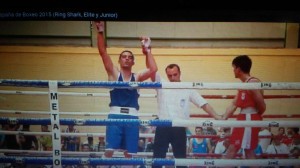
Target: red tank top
{"points": [[245, 98]]}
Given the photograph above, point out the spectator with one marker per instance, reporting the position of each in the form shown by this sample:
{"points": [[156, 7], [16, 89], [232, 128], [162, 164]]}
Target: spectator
{"points": [[200, 145], [11, 140], [4, 127], [85, 147], [141, 144], [149, 147], [296, 152], [28, 142], [223, 143], [263, 141], [277, 147], [45, 140], [281, 131], [295, 143], [71, 143], [101, 144], [292, 133], [211, 131]]}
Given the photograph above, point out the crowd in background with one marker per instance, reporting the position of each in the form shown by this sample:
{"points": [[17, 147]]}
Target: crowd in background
{"points": [[283, 141]]}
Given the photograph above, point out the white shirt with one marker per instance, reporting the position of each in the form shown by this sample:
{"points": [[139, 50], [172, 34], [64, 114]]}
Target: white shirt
{"points": [[264, 142], [175, 103], [220, 148], [294, 146], [280, 149]]}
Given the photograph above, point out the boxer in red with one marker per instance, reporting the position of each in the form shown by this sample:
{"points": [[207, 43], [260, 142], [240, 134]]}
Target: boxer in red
{"points": [[252, 106]]}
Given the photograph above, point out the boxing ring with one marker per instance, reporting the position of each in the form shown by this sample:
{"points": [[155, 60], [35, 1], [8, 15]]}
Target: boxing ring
{"points": [[57, 157]]}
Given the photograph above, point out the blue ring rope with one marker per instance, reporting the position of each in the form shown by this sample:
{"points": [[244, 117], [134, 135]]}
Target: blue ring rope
{"points": [[90, 161], [82, 84], [88, 122], [141, 161]]}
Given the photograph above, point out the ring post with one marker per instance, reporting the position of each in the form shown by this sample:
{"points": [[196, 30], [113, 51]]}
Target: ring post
{"points": [[54, 109]]}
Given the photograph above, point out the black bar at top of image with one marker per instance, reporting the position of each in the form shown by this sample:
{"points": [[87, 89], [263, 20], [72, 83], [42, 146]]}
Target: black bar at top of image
{"points": [[167, 15], [150, 10]]}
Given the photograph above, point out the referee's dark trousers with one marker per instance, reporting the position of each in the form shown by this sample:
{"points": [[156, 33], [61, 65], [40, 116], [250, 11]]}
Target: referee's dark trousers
{"points": [[174, 135]]}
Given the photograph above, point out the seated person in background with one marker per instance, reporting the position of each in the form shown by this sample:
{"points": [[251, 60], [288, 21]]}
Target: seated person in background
{"points": [[223, 143], [10, 141], [295, 143], [277, 147], [211, 131], [292, 133], [149, 147], [101, 144], [200, 145], [90, 141], [264, 142], [28, 142], [4, 127], [295, 152], [85, 147], [71, 143], [45, 140], [141, 144], [281, 131]]}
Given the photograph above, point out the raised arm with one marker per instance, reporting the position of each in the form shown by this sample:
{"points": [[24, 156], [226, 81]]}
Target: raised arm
{"points": [[111, 70], [150, 61]]}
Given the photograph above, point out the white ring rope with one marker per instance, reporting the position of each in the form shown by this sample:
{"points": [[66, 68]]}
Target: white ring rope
{"points": [[69, 113], [66, 93], [73, 153], [89, 94], [79, 113], [236, 162], [88, 134], [235, 123], [92, 134], [155, 85]]}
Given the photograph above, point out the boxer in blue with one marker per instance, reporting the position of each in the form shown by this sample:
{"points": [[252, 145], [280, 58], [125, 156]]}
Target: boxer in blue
{"points": [[124, 102]]}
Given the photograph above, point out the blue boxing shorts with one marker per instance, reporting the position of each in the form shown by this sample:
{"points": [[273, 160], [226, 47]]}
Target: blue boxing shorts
{"points": [[122, 137]]}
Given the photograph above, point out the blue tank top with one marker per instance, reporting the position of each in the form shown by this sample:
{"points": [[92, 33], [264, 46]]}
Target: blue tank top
{"points": [[124, 97], [199, 148]]}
